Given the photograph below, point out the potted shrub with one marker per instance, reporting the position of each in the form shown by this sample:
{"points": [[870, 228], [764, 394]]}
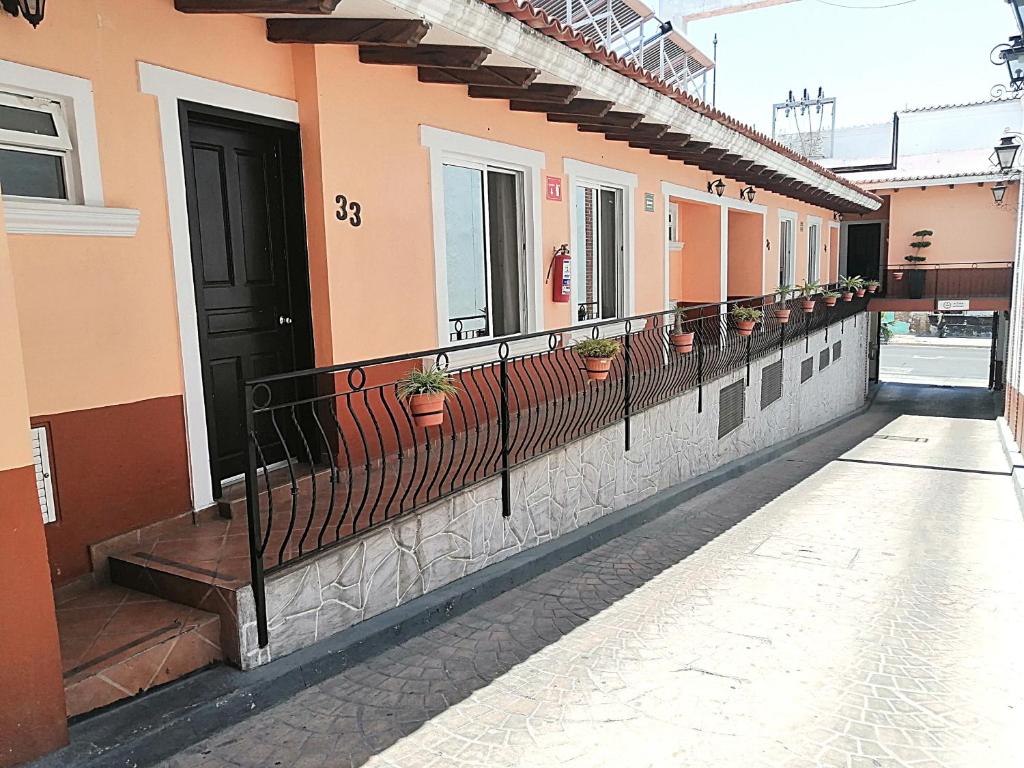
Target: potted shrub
{"points": [[807, 293], [830, 298], [782, 310], [597, 356], [746, 318], [872, 285], [850, 285], [920, 243], [425, 391], [681, 340]]}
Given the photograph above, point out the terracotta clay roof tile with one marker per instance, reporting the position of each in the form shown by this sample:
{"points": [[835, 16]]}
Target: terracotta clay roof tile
{"points": [[525, 12]]}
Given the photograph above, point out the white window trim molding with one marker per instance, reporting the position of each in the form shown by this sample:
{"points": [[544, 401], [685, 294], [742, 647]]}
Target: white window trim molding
{"points": [[90, 216], [169, 86], [786, 215], [580, 172], [35, 218], [670, 190], [811, 221], [449, 145]]}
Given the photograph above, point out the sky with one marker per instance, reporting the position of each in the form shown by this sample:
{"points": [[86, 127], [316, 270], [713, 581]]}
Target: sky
{"points": [[873, 60]]}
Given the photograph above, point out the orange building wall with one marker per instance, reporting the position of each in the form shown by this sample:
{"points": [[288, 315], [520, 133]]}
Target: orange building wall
{"points": [[700, 231], [746, 251], [968, 226]]}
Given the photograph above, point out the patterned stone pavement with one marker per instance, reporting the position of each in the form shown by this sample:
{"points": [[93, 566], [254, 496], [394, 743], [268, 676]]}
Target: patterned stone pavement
{"points": [[857, 602]]}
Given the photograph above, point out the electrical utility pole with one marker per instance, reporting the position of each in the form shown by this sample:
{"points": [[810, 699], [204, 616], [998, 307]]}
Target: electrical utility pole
{"points": [[714, 73]]}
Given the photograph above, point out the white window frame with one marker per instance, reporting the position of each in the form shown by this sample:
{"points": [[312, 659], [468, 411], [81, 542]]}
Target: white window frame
{"points": [[52, 146], [815, 258], [84, 212], [789, 278], [449, 147], [581, 173]]}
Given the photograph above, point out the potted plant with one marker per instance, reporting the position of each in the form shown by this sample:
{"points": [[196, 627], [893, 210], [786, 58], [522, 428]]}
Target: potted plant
{"points": [[597, 356], [850, 285], [681, 340], [782, 310], [920, 243], [807, 293], [872, 285], [746, 318], [426, 390], [898, 274], [830, 298]]}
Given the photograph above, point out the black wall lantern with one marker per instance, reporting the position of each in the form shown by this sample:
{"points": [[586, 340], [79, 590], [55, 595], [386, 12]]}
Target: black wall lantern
{"points": [[748, 194], [1012, 55], [999, 192], [32, 10], [1018, 13], [1006, 153], [718, 187]]}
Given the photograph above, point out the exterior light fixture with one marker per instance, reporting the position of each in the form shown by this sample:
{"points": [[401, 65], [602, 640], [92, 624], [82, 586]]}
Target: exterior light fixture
{"points": [[1012, 55], [1006, 152], [1018, 13], [999, 192], [32, 10], [718, 187], [837, 216], [748, 194]]}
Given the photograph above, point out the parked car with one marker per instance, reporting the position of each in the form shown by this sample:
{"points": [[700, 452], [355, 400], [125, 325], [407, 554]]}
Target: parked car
{"points": [[965, 326]]}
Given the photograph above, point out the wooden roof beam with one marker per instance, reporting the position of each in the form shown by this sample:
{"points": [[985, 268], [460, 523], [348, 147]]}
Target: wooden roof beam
{"points": [[504, 77], [583, 107], [399, 32], [453, 56], [554, 93]]}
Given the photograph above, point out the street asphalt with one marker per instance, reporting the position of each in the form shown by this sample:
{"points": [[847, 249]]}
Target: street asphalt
{"points": [[944, 364]]}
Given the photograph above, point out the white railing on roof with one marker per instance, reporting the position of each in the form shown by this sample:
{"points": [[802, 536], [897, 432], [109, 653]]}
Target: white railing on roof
{"points": [[633, 31]]}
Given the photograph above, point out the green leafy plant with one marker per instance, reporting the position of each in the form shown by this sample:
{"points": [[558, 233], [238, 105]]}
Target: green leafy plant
{"points": [[887, 333], [919, 245], [923, 233], [809, 289], [851, 283], [747, 313], [785, 291], [831, 295], [597, 347], [871, 284], [431, 381]]}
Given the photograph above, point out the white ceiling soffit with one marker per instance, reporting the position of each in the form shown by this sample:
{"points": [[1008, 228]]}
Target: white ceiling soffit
{"points": [[502, 34]]}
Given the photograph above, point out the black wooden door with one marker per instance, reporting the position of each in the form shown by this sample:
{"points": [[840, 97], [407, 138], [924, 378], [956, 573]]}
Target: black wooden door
{"points": [[249, 264], [863, 250]]}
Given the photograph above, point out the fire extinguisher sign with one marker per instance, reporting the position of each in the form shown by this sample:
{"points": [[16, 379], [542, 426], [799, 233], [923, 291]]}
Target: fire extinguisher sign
{"points": [[554, 188]]}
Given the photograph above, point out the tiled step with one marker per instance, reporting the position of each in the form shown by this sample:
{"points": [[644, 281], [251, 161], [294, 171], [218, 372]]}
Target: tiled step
{"points": [[117, 643]]}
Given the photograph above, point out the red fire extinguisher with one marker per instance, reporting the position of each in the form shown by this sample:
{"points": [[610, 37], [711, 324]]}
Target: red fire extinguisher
{"points": [[561, 269]]}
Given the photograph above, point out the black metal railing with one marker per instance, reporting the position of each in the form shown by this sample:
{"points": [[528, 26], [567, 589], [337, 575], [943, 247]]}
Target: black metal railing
{"points": [[334, 451], [967, 280]]}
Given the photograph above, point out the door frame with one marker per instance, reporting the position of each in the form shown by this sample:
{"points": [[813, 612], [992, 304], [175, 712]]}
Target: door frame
{"points": [[170, 86], [292, 199]]}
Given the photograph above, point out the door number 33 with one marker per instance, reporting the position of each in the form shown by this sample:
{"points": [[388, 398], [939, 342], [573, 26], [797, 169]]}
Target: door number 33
{"points": [[349, 211]]}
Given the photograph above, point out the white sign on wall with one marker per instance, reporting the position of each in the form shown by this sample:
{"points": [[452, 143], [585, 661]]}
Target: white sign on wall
{"points": [[953, 305]]}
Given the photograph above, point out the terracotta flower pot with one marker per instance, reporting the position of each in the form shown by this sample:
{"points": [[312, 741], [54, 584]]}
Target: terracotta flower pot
{"points": [[860, 292], [682, 343], [782, 315], [847, 295], [830, 301], [745, 327], [898, 275], [427, 409], [597, 367], [807, 305], [872, 288]]}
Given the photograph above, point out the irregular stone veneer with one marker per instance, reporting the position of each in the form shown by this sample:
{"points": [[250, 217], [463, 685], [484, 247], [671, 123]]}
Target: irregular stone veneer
{"points": [[553, 494]]}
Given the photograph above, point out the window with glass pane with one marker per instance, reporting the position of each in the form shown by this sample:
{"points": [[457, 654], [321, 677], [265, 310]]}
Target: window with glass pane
{"points": [[787, 273], [32, 174], [813, 257], [34, 142], [483, 240], [599, 242]]}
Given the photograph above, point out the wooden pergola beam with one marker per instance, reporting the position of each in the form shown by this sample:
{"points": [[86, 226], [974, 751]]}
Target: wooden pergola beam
{"points": [[397, 32], [256, 6], [449, 56], [504, 77], [611, 122], [582, 107], [553, 93]]}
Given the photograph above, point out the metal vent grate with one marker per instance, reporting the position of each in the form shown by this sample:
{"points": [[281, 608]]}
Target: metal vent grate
{"points": [[837, 350], [44, 479], [823, 359], [771, 384], [806, 369], [730, 408]]}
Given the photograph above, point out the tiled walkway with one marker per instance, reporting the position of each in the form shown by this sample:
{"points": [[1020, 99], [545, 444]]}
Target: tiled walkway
{"points": [[858, 602]]}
